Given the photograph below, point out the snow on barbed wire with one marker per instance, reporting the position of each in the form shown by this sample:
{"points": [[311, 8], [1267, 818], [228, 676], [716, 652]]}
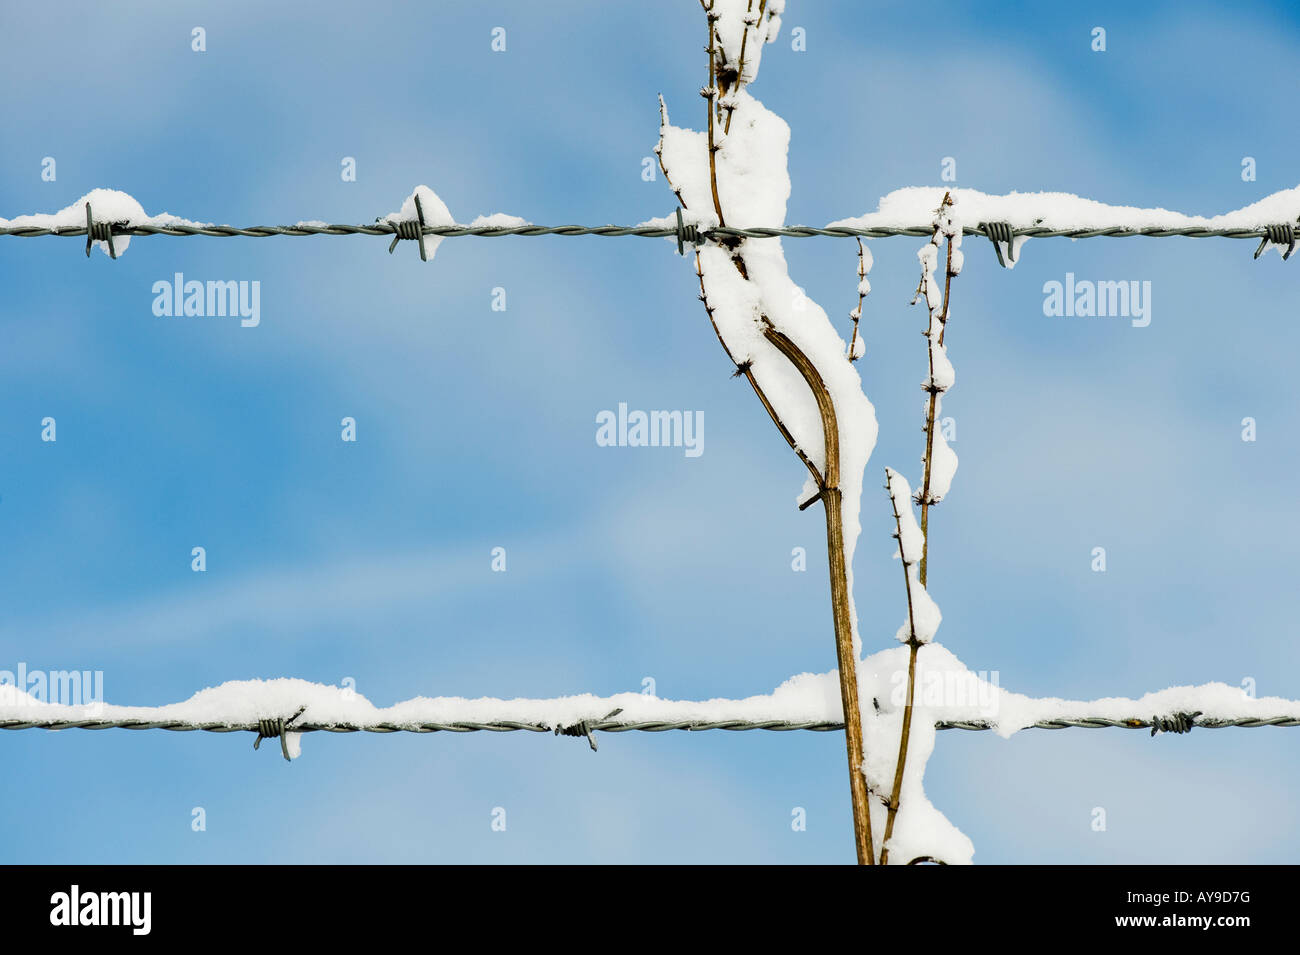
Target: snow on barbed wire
{"points": [[498, 220], [435, 212], [123, 211], [106, 205], [904, 208], [949, 691]]}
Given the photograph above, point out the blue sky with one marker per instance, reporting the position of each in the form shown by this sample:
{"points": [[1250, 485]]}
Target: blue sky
{"points": [[476, 428]]}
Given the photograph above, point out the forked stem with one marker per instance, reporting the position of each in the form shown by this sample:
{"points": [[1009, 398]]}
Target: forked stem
{"points": [[828, 489], [913, 644]]}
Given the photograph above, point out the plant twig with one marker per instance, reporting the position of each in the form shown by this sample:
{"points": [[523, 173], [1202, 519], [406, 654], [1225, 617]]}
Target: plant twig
{"points": [[659, 152], [943, 226], [745, 368], [924, 494], [905, 736], [744, 41], [710, 93], [863, 289]]}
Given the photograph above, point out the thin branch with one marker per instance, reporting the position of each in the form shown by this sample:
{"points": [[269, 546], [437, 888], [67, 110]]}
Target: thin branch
{"points": [[709, 93], [934, 395], [744, 42], [659, 151], [856, 314], [745, 368], [913, 646]]}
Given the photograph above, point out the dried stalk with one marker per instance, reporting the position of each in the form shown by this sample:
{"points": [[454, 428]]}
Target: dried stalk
{"points": [[846, 659], [828, 491]]}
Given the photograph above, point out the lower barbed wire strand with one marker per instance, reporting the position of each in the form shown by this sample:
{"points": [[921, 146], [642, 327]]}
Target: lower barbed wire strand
{"points": [[650, 726]]}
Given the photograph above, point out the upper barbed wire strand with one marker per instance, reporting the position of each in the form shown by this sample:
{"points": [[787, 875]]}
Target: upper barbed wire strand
{"points": [[653, 232]]}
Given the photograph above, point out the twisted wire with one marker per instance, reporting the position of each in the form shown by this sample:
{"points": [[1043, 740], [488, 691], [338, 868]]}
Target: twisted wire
{"points": [[616, 726], [405, 229]]}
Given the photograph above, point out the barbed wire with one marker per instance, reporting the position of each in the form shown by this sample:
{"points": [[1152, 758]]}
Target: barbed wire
{"points": [[999, 233], [653, 232], [618, 726]]}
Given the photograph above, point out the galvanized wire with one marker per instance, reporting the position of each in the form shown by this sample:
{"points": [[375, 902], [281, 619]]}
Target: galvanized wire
{"points": [[611, 726], [400, 228]]}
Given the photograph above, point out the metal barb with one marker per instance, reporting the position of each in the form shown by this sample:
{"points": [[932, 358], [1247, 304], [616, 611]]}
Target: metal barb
{"points": [[271, 728], [1174, 723], [98, 232], [685, 233], [1283, 234], [999, 232], [584, 727], [410, 229]]}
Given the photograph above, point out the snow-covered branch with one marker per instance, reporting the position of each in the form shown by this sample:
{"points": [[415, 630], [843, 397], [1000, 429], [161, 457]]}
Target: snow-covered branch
{"points": [[735, 173]]}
